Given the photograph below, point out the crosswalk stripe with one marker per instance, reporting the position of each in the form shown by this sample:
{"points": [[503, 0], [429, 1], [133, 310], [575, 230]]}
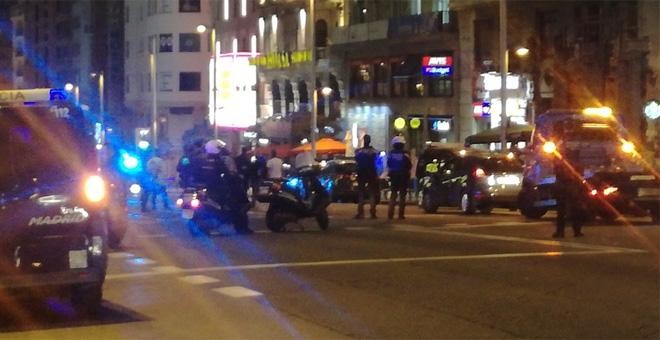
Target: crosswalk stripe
{"points": [[198, 279], [237, 292]]}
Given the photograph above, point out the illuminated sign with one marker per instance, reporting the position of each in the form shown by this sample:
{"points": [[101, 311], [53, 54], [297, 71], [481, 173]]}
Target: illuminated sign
{"points": [[236, 96], [282, 59], [442, 125], [437, 66]]}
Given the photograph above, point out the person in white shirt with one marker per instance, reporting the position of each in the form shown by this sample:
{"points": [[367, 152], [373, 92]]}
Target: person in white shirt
{"points": [[274, 166]]}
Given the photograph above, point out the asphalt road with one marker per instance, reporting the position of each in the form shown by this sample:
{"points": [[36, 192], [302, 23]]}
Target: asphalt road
{"points": [[429, 276]]}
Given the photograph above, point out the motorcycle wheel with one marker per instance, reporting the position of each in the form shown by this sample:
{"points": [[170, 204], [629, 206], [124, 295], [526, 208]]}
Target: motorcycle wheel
{"points": [[323, 220], [274, 223]]}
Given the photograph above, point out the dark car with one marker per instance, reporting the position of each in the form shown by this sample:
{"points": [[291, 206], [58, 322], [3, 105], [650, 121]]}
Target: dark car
{"points": [[53, 204], [472, 180], [342, 174]]}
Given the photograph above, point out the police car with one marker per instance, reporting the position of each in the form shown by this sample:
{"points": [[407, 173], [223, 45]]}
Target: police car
{"points": [[616, 177], [53, 199]]}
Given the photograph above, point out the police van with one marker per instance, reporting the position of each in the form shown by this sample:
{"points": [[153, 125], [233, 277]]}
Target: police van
{"points": [[53, 199], [615, 176]]}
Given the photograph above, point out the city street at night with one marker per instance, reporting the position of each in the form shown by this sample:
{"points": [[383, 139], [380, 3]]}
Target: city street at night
{"points": [[443, 275]]}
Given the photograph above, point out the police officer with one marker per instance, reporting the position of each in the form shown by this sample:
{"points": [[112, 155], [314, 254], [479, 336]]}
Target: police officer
{"points": [[569, 192], [223, 184], [367, 177], [399, 165]]}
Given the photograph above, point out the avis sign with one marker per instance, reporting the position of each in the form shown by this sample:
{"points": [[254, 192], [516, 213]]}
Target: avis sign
{"points": [[437, 66]]}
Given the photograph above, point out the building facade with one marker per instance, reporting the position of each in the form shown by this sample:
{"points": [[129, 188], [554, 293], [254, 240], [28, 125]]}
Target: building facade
{"points": [[168, 28]]}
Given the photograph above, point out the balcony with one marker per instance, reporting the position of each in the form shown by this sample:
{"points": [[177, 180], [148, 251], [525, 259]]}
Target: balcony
{"points": [[396, 28]]}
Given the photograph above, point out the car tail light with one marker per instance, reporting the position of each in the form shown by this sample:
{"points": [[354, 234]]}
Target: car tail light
{"points": [[94, 188], [194, 203], [479, 173]]}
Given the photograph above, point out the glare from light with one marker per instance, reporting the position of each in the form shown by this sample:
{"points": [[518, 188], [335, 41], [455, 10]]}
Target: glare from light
{"points": [[326, 91], [479, 172], [99, 146], [68, 87], [135, 189], [462, 153], [415, 123], [179, 202], [95, 188], [130, 162], [610, 190], [201, 28], [510, 155], [143, 145], [323, 163], [264, 141], [522, 51], [549, 147], [194, 203], [604, 111], [627, 147], [225, 10], [243, 8], [594, 192]]}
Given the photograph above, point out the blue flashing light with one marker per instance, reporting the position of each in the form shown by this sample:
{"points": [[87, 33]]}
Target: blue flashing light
{"points": [[129, 163], [143, 144]]}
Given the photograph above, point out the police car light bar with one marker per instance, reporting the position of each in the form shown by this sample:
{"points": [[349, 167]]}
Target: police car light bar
{"points": [[32, 96]]}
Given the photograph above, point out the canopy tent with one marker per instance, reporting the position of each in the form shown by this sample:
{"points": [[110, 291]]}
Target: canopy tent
{"points": [[514, 133], [323, 145]]}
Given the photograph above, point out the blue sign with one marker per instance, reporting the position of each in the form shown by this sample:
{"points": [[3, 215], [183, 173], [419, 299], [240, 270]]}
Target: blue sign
{"points": [[437, 71]]}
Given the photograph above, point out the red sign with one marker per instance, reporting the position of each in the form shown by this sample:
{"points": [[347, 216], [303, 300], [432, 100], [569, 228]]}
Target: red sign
{"points": [[428, 61]]}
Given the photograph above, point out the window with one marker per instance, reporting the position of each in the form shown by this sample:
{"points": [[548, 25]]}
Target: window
{"points": [[190, 81], [380, 79], [440, 87], [189, 42], [399, 80], [165, 6], [152, 6], [166, 43], [189, 6], [225, 10], [182, 110], [165, 81], [360, 80]]}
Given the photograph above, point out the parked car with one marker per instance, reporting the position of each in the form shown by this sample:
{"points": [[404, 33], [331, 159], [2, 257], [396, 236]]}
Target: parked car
{"points": [[472, 180], [342, 174]]}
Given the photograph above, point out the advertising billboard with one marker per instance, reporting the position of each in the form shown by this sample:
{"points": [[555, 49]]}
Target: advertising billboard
{"points": [[236, 93]]}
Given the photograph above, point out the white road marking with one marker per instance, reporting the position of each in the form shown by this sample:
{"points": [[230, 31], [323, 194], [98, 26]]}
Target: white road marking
{"points": [[369, 261], [198, 279], [414, 228], [153, 235], [358, 228], [237, 292], [140, 261], [166, 269], [120, 255]]}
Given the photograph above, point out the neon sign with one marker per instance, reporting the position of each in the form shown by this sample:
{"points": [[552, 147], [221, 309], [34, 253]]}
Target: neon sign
{"points": [[437, 66]]}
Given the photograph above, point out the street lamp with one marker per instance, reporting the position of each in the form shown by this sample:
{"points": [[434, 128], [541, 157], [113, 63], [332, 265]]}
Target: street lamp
{"points": [[201, 29], [326, 92]]}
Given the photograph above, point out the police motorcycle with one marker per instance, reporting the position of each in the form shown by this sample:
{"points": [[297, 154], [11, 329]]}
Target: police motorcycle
{"points": [[299, 196], [615, 176], [207, 208], [53, 200]]}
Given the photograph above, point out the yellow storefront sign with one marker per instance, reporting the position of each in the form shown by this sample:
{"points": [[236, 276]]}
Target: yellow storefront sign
{"points": [[282, 59]]}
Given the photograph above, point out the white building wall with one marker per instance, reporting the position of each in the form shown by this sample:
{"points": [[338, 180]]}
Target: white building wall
{"points": [[142, 25]]}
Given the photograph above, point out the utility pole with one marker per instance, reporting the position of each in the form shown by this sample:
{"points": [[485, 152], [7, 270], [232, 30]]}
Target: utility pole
{"points": [[504, 70]]}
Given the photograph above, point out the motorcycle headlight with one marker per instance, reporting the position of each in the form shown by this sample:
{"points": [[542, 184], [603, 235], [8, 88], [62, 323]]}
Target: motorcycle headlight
{"points": [[94, 189]]}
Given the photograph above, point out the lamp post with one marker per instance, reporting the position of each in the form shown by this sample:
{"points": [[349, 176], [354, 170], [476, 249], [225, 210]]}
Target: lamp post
{"points": [[154, 92], [504, 70], [313, 123], [326, 92], [201, 29]]}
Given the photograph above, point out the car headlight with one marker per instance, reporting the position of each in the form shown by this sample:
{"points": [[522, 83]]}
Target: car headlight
{"points": [[627, 147], [549, 147], [491, 181], [94, 188]]}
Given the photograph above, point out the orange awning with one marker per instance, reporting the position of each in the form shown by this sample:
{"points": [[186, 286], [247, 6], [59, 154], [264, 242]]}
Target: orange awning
{"points": [[323, 145]]}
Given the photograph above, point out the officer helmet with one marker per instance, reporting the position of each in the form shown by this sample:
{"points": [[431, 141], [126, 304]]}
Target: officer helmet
{"points": [[398, 140], [214, 146]]}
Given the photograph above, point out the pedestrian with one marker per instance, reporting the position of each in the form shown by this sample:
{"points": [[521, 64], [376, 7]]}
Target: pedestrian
{"points": [[244, 166], [569, 191], [156, 170], [398, 165], [274, 166], [367, 177]]}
